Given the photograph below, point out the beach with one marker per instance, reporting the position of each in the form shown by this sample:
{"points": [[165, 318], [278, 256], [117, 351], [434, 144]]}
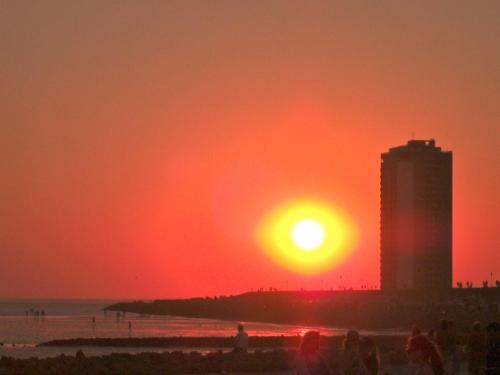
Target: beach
{"points": [[67, 341], [20, 335], [276, 361]]}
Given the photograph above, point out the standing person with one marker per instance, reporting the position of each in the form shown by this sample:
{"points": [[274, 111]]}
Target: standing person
{"points": [[309, 360], [241, 340], [369, 355], [476, 350], [456, 349], [424, 356], [448, 346], [493, 352], [351, 360]]}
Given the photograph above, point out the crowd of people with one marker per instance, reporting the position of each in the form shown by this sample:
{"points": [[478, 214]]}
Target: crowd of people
{"points": [[435, 353], [359, 356], [440, 352]]}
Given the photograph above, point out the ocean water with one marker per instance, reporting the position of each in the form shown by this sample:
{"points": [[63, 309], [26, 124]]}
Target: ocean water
{"points": [[65, 319]]}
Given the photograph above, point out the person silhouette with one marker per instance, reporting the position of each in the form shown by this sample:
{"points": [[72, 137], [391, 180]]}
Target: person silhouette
{"points": [[424, 356], [351, 360], [476, 349], [493, 351], [241, 340], [369, 355], [448, 345], [309, 361]]}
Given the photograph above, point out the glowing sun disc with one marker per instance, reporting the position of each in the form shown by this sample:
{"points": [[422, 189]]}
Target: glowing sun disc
{"points": [[308, 234]]}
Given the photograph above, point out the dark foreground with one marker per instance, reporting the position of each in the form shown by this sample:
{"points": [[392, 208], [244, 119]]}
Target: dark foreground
{"points": [[151, 363], [267, 355], [276, 362]]}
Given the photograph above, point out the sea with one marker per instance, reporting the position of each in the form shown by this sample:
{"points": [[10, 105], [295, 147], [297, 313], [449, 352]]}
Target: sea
{"points": [[22, 329]]}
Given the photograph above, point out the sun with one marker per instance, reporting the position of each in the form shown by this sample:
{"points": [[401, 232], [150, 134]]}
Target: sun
{"points": [[308, 234]]}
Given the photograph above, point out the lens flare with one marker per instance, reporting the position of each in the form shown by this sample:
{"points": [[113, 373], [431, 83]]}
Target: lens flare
{"points": [[307, 236]]}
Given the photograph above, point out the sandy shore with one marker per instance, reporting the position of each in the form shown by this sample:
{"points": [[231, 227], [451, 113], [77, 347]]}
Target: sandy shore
{"points": [[267, 356]]}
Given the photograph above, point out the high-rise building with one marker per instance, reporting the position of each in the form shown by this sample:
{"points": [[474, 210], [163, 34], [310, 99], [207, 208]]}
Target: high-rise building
{"points": [[416, 217]]}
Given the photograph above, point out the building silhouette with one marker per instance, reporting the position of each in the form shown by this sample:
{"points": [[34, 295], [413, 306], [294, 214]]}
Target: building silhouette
{"points": [[416, 217]]}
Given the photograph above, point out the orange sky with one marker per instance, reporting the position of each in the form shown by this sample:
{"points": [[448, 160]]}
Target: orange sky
{"points": [[141, 142]]}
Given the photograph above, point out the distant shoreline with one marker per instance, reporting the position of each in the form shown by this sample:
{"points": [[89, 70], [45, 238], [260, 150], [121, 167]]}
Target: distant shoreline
{"points": [[366, 309]]}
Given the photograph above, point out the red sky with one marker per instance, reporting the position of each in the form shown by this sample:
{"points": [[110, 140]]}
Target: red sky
{"points": [[141, 142]]}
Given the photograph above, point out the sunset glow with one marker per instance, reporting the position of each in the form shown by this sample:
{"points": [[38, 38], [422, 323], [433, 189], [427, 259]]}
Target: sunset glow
{"points": [[307, 236], [144, 142]]}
